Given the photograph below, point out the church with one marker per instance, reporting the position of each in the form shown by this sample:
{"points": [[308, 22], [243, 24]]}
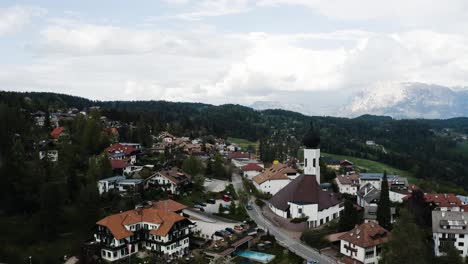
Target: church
{"points": [[303, 197]]}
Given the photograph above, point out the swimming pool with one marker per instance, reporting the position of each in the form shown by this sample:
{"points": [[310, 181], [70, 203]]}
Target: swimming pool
{"points": [[257, 256]]}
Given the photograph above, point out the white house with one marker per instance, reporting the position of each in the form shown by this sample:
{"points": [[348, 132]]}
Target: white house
{"points": [[363, 244], [303, 197], [348, 184], [48, 149], [251, 170], [119, 151], [166, 137], [274, 178], [172, 180], [119, 183], [450, 227], [158, 227]]}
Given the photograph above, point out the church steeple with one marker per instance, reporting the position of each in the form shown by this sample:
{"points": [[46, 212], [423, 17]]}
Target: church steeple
{"points": [[312, 153]]}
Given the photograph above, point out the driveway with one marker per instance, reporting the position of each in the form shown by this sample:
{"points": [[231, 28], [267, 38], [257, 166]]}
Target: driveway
{"points": [[215, 185], [281, 236], [207, 224]]}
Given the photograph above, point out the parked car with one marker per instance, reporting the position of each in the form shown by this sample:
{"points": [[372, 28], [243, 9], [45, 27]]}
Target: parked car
{"points": [[211, 201], [219, 233], [226, 233], [202, 204], [226, 198], [230, 230], [198, 206], [248, 207]]}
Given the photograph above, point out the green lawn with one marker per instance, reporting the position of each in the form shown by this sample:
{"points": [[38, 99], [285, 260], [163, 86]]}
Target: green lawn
{"points": [[243, 143], [375, 166]]}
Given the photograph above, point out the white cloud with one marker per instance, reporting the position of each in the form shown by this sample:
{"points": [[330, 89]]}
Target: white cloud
{"points": [[105, 61], [13, 19], [207, 8]]}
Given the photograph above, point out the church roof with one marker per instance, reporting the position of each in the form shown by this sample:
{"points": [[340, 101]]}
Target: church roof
{"points": [[304, 190]]}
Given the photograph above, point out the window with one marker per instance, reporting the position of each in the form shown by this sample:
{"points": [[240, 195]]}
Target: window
{"points": [[461, 236], [461, 244], [299, 210], [103, 253], [313, 163], [305, 163]]}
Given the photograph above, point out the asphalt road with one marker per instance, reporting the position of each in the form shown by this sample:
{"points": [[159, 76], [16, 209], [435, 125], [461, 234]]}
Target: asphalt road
{"points": [[292, 244]]}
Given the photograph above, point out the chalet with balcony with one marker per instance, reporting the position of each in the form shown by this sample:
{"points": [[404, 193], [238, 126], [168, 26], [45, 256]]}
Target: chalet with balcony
{"points": [[450, 227], [158, 227], [173, 180], [363, 244]]}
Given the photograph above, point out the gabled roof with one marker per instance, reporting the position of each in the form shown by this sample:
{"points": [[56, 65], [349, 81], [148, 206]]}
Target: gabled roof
{"points": [[348, 179], [275, 172], [116, 223], [169, 205], [166, 134], [119, 148], [367, 235], [118, 164], [368, 192], [304, 190], [175, 175], [252, 167], [443, 199], [453, 222], [56, 132]]}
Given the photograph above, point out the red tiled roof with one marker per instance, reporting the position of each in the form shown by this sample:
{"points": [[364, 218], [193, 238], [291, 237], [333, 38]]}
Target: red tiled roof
{"points": [[118, 164], [443, 199], [252, 167], [169, 205], [116, 223], [275, 172], [348, 179], [367, 235], [56, 132], [117, 147], [238, 155]]}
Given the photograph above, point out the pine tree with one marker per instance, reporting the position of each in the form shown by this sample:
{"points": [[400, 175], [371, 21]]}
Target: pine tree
{"points": [[350, 217], [407, 244], [452, 256], [383, 210]]}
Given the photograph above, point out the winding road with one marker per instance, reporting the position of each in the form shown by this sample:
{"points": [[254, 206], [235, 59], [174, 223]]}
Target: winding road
{"points": [[282, 237]]}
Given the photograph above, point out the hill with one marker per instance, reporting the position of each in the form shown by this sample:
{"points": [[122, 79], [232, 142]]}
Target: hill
{"points": [[426, 147]]}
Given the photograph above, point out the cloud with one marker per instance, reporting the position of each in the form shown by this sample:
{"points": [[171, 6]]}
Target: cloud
{"points": [[207, 8], [105, 61], [15, 18]]}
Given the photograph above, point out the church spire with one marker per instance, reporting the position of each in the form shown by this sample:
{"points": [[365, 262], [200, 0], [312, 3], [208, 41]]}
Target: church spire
{"points": [[312, 153]]}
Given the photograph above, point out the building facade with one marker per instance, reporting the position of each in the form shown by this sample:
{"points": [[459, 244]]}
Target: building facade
{"points": [[450, 227], [158, 227], [363, 244]]}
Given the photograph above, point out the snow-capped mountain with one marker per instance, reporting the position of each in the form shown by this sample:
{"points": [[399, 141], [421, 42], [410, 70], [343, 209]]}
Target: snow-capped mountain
{"points": [[409, 100], [264, 105]]}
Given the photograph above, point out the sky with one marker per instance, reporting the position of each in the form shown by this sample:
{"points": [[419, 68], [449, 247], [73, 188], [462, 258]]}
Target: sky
{"points": [[309, 52]]}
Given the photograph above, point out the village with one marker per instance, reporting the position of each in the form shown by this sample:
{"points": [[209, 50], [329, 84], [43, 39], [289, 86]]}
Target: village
{"points": [[212, 200]]}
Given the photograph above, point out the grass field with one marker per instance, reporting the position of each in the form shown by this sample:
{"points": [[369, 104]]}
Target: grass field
{"points": [[243, 143], [375, 166]]}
